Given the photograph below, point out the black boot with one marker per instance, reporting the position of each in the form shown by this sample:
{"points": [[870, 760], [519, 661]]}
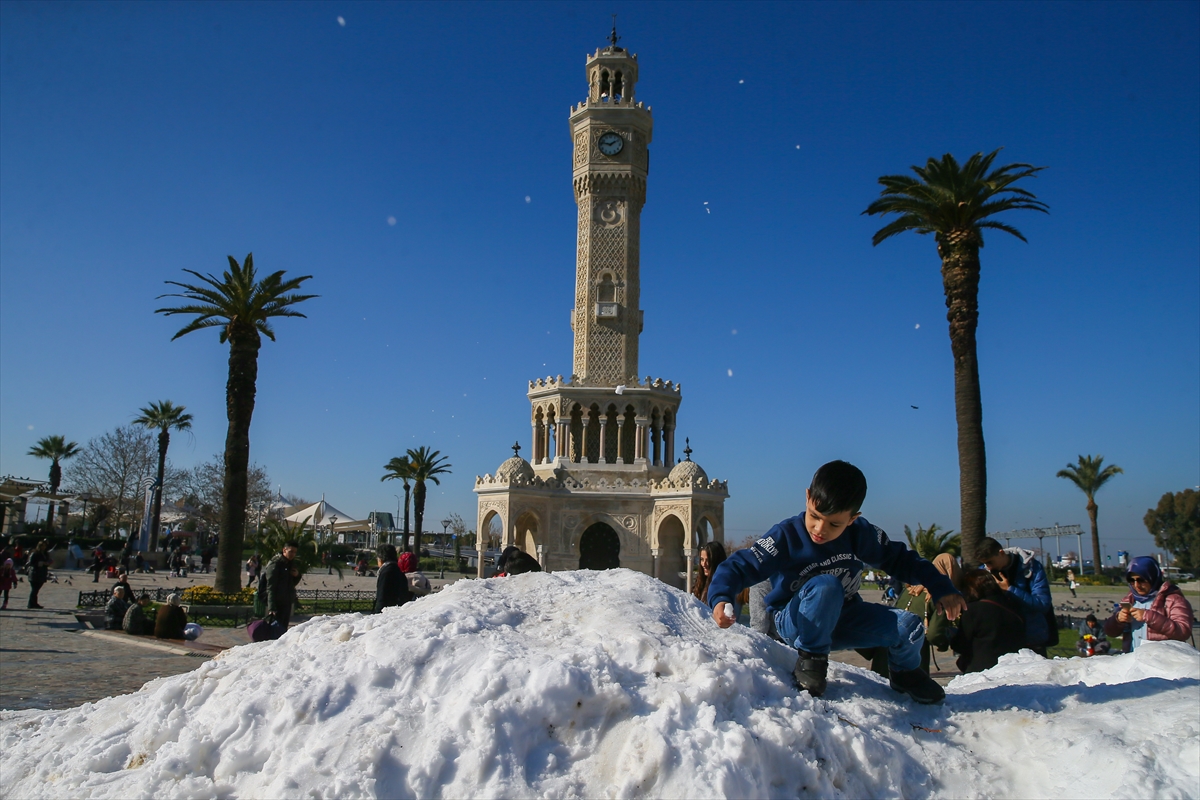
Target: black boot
{"points": [[917, 684], [810, 671]]}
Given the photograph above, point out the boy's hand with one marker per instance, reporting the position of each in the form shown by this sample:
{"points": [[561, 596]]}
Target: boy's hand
{"points": [[952, 605], [723, 620], [1001, 580]]}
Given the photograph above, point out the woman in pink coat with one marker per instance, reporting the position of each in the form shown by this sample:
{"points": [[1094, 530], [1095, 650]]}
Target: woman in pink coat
{"points": [[1154, 610]]}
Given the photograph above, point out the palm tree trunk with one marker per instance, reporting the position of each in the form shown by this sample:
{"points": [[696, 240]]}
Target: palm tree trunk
{"points": [[418, 516], [960, 279], [239, 407], [1092, 508], [55, 480], [164, 440], [406, 500]]}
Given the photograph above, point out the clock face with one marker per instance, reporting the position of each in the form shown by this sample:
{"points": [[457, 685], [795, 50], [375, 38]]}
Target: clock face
{"points": [[611, 143]]}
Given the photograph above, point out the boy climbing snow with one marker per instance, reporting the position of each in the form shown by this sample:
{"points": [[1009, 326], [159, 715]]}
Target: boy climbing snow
{"points": [[814, 563]]}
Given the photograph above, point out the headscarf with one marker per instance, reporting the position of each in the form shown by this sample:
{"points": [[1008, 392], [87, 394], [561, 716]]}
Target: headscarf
{"points": [[174, 599], [1145, 567], [948, 566], [408, 562]]}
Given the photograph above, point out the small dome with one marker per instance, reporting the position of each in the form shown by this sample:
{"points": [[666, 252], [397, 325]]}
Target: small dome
{"points": [[515, 467], [687, 472]]}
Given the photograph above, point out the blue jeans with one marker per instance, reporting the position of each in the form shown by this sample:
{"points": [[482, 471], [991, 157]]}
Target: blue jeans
{"points": [[819, 618]]}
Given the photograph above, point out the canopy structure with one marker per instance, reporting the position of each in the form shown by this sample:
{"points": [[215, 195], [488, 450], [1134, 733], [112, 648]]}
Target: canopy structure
{"points": [[323, 514]]}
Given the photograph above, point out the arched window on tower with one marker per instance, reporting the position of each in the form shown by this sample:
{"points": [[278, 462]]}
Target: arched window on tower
{"points": [[605, 87], [608, 289], [618, 88]]}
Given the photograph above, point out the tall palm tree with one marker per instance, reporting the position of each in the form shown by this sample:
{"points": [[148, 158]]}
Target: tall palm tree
{"points": [[242, 306], [1089, 477], [426, 466], [954, 204], [400, 469], [933, 541], [57, 449], [162, 416]]}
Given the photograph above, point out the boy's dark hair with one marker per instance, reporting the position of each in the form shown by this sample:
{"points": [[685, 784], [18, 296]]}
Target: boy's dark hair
{"points": [[387, 552], [520, 562], [989, 548], [291, 543], [836, 487]]}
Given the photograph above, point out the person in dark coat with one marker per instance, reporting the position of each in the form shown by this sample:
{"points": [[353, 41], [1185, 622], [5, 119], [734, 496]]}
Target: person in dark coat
{"points": [[992, 625], [502, 561], [135, 622], [520, 562], [391, 584], [171, 619], [282, 575], [39, 571], [114, 612]]}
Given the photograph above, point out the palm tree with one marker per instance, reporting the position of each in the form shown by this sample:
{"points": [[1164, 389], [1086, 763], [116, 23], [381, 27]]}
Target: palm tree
{"points": [[162, 416], [954, 204], [241, 306], [400, 469], [57, 449], [932, 541], [1089, 477], [426, 465]]}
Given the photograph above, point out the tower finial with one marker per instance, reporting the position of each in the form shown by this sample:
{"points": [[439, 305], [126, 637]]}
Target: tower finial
{"points": [[516, 448], [612, 37], [687, 449]]}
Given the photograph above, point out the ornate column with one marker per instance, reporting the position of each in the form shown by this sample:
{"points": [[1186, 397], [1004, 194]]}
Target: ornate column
{"points": [[687, 557], [655, 555], [621, 454], [639, 441], [603, 439], [562, 439]]}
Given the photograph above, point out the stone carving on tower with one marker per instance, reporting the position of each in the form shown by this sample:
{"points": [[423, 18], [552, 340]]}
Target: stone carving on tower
{"points": [[601, 487]]}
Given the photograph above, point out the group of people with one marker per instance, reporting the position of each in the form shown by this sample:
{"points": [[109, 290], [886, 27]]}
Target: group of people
{"points": [[802, 581], [128, 613]]}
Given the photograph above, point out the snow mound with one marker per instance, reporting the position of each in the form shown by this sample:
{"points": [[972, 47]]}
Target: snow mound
{"points": [[604, 684]]}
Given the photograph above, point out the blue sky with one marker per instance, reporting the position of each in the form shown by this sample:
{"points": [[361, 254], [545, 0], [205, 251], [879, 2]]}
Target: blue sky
{"points": [[416, 161]]}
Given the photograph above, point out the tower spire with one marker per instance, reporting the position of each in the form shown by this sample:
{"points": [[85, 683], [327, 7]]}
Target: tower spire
{"points": [[612, 37]]}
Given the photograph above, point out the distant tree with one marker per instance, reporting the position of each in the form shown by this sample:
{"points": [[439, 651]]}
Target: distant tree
{"points": [[57, 450], [1175, 526], [932, 541], [203, 487], [458, 529], [242, 307], [1089, 476], [400, 469], [110, 467], [954, 204], [426, 466], [162, 416]]}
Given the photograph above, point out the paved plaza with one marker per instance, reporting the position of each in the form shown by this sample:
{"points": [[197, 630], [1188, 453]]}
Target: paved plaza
{"points": [[50, 659]]}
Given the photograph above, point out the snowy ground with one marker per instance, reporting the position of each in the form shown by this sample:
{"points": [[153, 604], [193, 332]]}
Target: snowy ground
{"points": [[604, 685]]}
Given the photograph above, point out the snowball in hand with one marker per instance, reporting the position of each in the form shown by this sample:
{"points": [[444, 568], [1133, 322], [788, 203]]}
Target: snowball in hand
{"points": [[729, 611]]}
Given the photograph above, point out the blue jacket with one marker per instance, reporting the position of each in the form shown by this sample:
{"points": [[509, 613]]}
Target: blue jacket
{"points": [[1027, 582], [789, 558]]}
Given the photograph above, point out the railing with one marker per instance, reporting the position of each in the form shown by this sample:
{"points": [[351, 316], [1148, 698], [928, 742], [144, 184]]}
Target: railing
{"points": [[100, 599]]}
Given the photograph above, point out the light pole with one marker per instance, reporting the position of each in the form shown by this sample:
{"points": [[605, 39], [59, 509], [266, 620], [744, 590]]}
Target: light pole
{"points": [[445, 525], [332, 525], [396, 521]]}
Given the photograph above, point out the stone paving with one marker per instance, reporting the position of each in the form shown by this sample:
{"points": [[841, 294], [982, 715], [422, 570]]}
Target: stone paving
{"points": [[48, 659]]}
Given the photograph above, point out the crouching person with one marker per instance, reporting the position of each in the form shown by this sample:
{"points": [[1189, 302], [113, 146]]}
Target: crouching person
{"points": [[814, 562], [135, 621]]}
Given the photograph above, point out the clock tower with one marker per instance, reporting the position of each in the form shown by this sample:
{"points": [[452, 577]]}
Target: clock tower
{"points": [[611, 134], [601, 485]]}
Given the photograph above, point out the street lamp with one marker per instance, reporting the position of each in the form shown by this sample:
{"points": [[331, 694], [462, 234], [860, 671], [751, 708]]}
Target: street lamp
{"points": [[332, 525], [445, 525], [396, 521]]}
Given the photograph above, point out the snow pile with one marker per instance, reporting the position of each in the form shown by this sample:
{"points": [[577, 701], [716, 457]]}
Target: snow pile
{"points": [[599, 685]]}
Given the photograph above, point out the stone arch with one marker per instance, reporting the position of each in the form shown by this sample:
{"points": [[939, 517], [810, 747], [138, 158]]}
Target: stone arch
{"points": [[600, 546], [628, 434], [655, 456], [708, 529], [591, 436], [672, 566], [606, 289], [610, 434], [527, 532], [577, 426]]}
